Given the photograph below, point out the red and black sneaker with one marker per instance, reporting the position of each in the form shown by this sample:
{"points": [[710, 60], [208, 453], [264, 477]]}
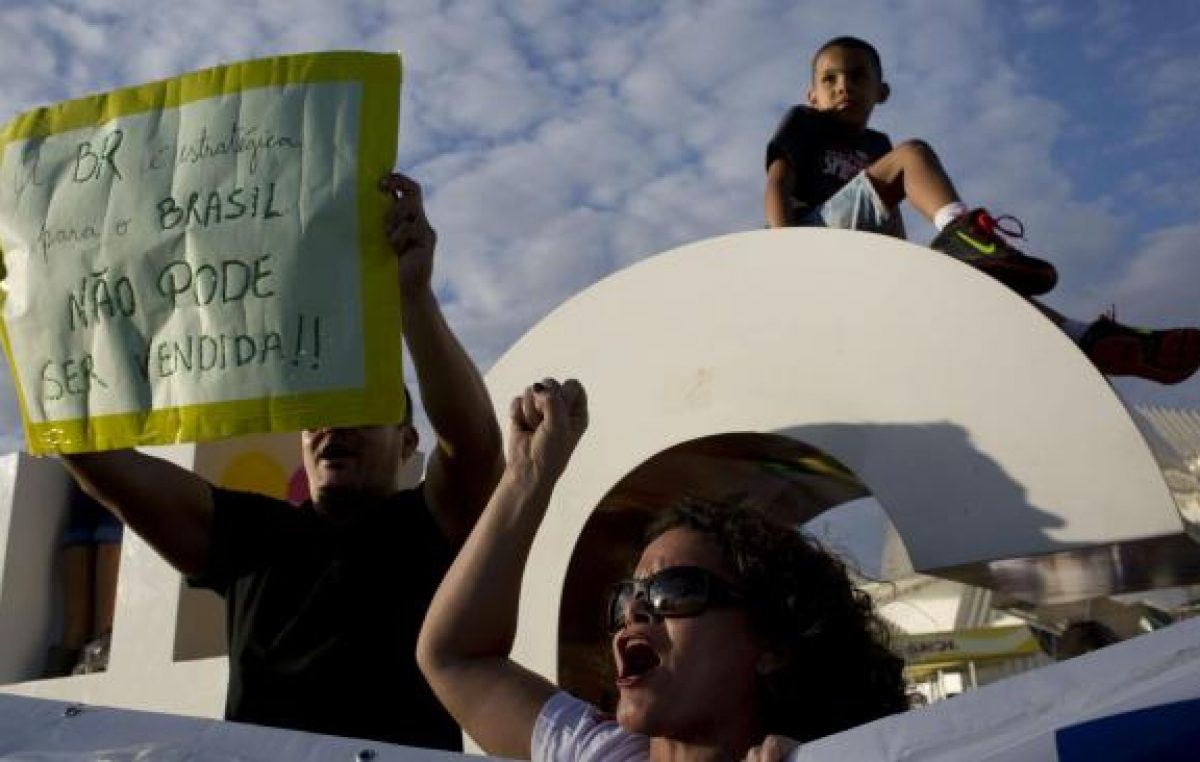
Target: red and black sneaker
{"points": [[1167, 356], [977, 238]]}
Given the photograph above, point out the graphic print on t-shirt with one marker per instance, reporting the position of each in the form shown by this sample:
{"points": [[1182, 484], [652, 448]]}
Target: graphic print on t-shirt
{"points": [[844, 165]]}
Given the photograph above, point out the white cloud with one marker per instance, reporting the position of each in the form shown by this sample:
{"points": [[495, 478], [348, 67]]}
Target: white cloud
{"points": [[1040, 17], [1157, 285], [561, 140], [1165, 85], [1110, 26]]}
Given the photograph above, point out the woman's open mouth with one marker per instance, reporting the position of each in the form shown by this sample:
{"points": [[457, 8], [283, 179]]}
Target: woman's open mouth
{"points": [[636, 659]]}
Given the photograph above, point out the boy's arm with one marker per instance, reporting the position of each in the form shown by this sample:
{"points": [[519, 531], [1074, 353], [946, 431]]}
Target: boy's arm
{"points": [[467, 460], [169, 507], [789, 141], [775, 201], [469, 629]]}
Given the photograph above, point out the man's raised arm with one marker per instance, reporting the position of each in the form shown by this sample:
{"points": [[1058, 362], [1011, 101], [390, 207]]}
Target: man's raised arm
{"points": [[466, 464], [166, 505]]}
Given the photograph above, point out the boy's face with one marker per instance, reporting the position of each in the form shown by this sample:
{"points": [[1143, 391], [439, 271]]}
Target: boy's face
{"points": [[847, 85]]}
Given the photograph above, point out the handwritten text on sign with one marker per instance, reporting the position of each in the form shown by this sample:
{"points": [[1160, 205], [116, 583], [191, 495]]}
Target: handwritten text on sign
{"points": [[191, 255]]}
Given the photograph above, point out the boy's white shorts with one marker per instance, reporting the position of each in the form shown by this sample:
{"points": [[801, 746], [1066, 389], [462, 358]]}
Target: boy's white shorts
{"points": [[856, 206]]}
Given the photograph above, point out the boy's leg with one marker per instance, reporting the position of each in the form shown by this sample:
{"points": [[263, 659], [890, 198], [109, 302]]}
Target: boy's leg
{"points": [[912, 170], [1167, 356]]}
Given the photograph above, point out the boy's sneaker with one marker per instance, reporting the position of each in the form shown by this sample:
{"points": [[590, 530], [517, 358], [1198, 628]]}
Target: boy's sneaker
{"points": [[976, 238], [1167, 356]]}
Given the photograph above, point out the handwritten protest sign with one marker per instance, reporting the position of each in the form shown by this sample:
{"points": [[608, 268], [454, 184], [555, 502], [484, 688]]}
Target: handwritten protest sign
{"points": [[203, 257]]}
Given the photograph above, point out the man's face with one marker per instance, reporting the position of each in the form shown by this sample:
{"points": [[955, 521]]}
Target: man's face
{"points": [[357, 462], [847, 85]]}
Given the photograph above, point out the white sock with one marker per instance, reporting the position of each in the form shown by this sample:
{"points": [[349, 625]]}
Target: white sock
{"points": [[1074, 328], [948, 213]]}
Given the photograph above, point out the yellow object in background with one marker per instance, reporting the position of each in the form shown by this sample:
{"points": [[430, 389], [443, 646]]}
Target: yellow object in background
{"points": [[256, 472]]}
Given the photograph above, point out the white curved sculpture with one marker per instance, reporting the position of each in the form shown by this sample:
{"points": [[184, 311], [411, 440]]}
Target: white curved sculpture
{"points": [[981, 429]]}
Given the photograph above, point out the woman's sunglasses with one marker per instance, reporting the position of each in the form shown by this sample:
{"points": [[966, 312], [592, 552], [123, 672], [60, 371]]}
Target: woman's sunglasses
{"points": [[678, 591]]}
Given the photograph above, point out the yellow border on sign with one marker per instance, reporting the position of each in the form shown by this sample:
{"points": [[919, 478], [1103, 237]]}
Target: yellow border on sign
{"points": [[382, 399]]}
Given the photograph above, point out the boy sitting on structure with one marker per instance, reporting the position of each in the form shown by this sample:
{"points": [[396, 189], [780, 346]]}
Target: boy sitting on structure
{"points": [[825, 167]]}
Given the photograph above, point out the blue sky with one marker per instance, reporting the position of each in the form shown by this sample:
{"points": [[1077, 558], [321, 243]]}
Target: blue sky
{"points": [[560, 141]]}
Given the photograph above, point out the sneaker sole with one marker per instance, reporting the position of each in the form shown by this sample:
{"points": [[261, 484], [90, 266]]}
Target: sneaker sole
{"points": [[1025, 280], [1176, 359]]}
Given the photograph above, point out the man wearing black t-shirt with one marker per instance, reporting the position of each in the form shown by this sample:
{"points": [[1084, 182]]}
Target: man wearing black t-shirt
{"points": [[325, 601]]}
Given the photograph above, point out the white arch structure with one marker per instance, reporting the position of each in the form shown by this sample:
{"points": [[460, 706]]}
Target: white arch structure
{"points": [[1000, 454]]}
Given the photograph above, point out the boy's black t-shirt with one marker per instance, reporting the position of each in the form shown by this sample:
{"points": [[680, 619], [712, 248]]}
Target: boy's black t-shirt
{"points": [[824, 153], [323, 617]]}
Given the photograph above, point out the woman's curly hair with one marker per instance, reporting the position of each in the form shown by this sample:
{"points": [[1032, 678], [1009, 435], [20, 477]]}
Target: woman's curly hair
{"points": [[838, 671]]}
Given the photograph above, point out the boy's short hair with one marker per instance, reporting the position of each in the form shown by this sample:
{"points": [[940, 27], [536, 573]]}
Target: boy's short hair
{"points": [[854, 43]]}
